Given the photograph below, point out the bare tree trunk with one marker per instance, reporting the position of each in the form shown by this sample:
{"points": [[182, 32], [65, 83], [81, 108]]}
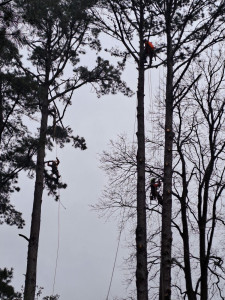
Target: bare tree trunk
{"points": [[185, 234], [1, 111], [30, 283], [141, 244], [166, 238], [141, 235], [203, 264], [187, 265], [203, 209]]}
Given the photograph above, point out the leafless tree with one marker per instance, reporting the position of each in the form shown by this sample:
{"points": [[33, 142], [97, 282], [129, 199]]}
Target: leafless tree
{"points": [[183, 30], [198, 186], [199, 176]]}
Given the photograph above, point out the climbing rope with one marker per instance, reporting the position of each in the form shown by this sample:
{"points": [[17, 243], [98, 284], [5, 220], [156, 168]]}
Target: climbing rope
{"points": [[117, 250], [151, 103], [58, 243], [58, 221], [58, 235]]}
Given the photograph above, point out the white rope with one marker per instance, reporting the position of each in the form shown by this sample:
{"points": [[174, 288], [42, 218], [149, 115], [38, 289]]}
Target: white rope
{"points": [[117, 250], [58, 244]]}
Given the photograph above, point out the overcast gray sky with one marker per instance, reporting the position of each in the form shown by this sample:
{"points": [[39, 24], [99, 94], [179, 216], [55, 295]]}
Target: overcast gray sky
{"points": [[87, 243]]}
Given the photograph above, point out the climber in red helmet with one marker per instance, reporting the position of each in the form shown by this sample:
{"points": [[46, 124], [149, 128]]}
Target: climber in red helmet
{"points": [[149, 51]]}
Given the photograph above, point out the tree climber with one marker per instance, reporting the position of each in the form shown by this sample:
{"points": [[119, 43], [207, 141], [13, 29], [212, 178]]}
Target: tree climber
{"points": [[154, 190], [149, 51], [54, 165]]}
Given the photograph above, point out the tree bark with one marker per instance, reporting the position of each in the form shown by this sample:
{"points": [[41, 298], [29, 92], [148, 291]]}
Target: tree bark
{"points": [[1, 112], [141, 235], [187, 264], [30, 282], [185, 234], [202, 252], [166, 236], [141, 244], [203, 209]]}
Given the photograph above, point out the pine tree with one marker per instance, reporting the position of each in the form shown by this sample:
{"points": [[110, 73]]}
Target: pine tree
{"points": [[7, 291], [59, 31], [17, 94]]}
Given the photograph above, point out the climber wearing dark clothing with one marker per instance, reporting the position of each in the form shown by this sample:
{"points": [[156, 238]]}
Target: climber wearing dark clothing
{"points": [[154, 190], [149, 51], [54, 165]]}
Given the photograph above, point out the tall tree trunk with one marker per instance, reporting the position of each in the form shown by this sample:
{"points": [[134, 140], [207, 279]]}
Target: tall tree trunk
{"points": [[203, 263], [185, 235], [166, 236], [202, 216], [141, 235], [1, 112], [187, 265], [203, 209], [30, 283]]}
